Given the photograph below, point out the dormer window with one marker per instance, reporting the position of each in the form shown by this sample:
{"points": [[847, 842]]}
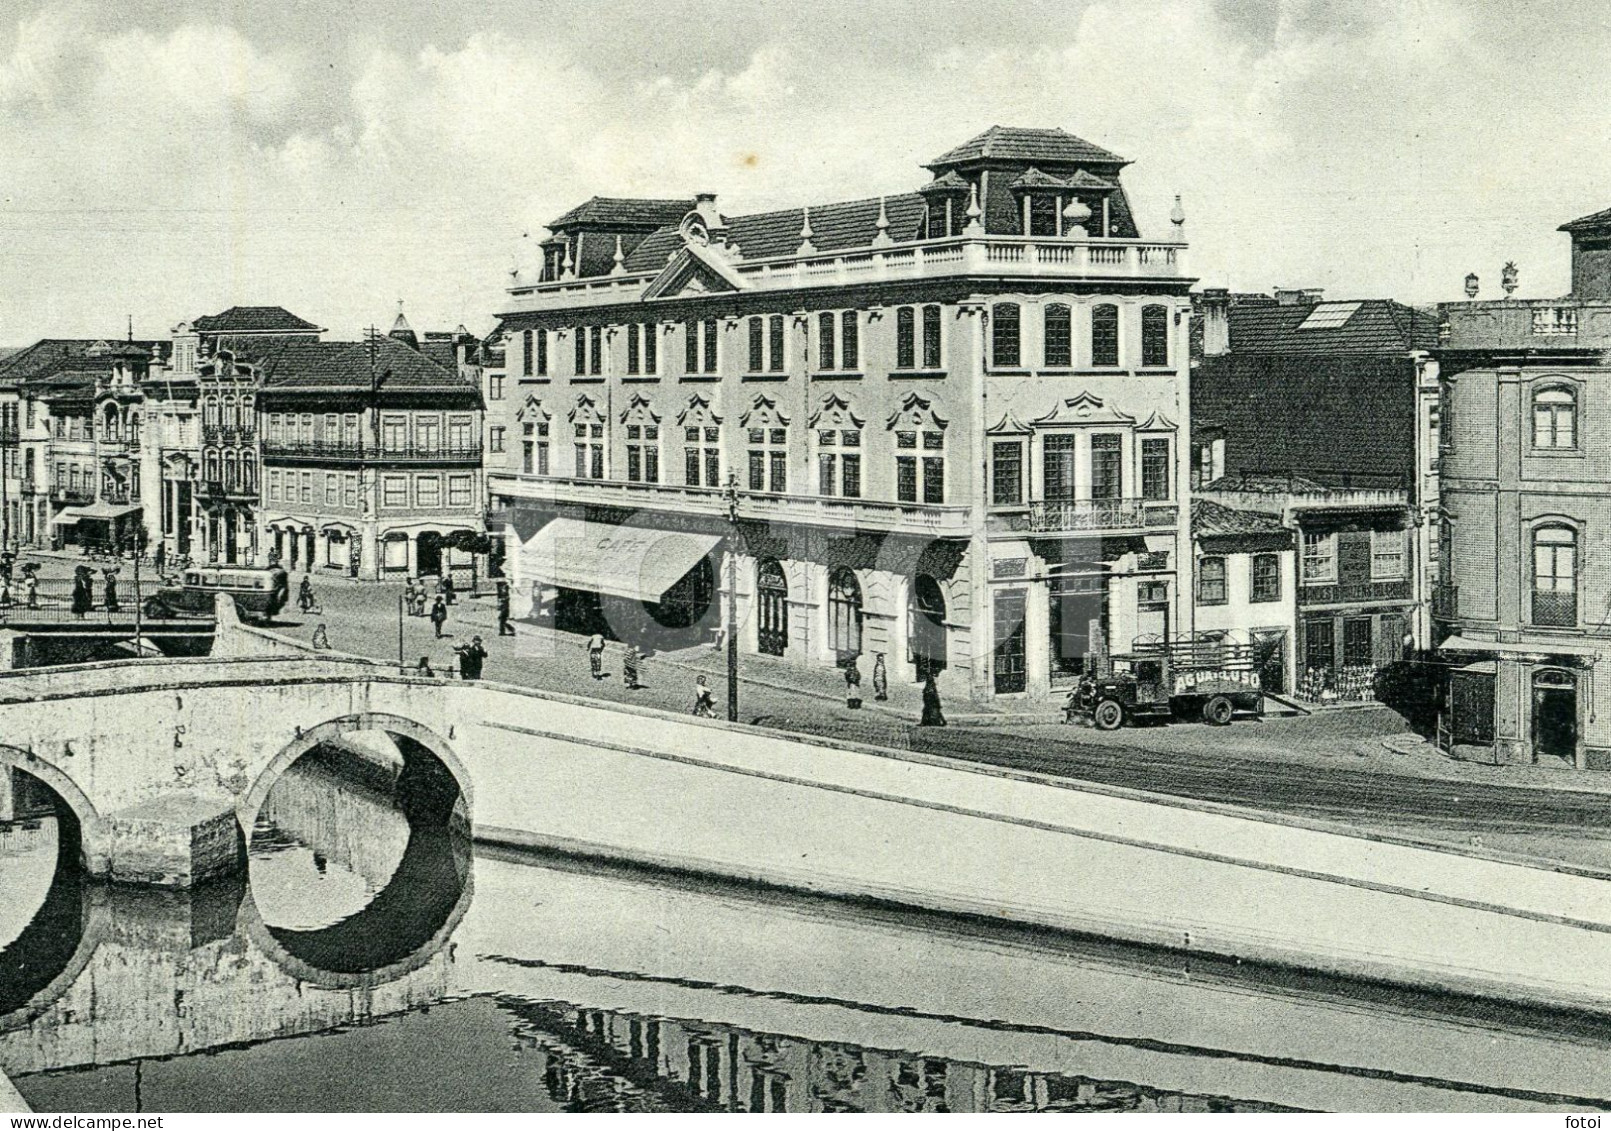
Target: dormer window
{"points": [[1043, 211]]}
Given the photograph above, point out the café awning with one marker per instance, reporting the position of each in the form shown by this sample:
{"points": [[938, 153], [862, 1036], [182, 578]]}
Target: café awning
{"points": [[624, 561]]}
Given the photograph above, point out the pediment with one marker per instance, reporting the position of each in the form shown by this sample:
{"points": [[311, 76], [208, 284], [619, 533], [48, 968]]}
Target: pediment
{"points": [[1008, 425], [1085, 409], [836, 413], [764, 413], [1157, 422], [694, 270]]}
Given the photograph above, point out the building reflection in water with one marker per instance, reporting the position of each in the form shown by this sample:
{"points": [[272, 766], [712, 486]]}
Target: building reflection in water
{"points": [[598, 1060]]}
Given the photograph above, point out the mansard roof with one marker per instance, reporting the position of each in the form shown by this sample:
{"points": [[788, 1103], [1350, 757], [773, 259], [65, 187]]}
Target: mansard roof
{"points": [[624, 210], [1016, 143]]}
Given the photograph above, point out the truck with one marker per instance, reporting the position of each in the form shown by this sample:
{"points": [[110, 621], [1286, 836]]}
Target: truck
{"points": [[1171, 680]]}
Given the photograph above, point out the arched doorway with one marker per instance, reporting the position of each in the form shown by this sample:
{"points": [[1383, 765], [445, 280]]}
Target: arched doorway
{"points": [[844, 615], [926, 626], [772, 592], [1555, 714]]}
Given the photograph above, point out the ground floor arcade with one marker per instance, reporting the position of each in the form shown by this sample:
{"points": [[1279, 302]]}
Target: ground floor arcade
{"points": [[1511, 703]]}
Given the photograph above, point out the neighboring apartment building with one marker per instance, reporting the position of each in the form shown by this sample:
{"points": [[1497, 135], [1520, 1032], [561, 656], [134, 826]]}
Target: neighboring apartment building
{"points": [[1342, 396], [371, 458], [1247, 585], [1525, 594], [949, 424]]}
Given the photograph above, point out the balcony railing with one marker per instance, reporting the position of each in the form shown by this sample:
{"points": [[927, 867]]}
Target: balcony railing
{"points": [[345, 451], [1554, 609], [223, 435], [72, 496], [810, 510], [1446, 602], [1016, 256], [1088, 515], [1344, 592], [226, 489]]}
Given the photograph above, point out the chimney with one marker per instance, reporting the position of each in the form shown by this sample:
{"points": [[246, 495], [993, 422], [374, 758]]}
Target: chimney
{"points": [[1298, 296], [1215, 303]]}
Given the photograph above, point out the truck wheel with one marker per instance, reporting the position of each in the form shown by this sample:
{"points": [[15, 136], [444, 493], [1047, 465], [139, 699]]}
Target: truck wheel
{"points": [[1109, 715], [1217, 711], [157, 609]]}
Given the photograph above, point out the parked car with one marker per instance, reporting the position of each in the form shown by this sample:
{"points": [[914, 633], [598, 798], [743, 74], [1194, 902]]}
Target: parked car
{"points": [[1159, 686], [259, 593]]}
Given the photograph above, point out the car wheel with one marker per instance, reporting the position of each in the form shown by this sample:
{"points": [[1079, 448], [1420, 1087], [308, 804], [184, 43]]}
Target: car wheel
{"points": [[157, 609], [1217, 711], [1109, 715]]}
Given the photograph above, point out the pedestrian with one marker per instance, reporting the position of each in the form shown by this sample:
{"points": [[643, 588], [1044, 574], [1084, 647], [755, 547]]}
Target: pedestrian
{"points": [[438, 615], [83, 591], [704, 701], [629, 667], [321, 638], [6, 561], [504, 627], [853, 685], [424, 668], [111, 589], [445, 587], [880, 678], [409, 593], [471, 658], [932, 715], [5, 597], [30, 587], [304, 594], [421, 597], [160, 558], [595, 654]]}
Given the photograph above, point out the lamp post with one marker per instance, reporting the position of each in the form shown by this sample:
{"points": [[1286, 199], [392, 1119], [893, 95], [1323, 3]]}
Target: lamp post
{"points": [[730, 493]]}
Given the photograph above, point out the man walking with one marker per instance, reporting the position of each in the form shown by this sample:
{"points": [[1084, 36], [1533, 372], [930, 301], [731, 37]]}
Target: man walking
{"points": [[629, 668], [595, 654], [504, 627], [438, 615]]}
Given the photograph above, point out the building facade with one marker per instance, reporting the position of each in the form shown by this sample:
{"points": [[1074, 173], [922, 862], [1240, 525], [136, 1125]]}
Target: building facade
{"points": [[1524, 601], [944, 429], [1247, 585]]}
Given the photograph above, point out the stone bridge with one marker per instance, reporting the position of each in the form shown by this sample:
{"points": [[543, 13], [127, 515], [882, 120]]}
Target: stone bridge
{"points": [[139, 750]]}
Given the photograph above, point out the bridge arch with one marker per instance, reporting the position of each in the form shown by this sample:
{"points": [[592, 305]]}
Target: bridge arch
{"points": [[88, 839], [416, 738]]}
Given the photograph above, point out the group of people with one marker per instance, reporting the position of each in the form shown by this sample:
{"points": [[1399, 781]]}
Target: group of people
{"points": [[472, 660], [84, 590], [29, 583], [420, 602], [933, 715]]}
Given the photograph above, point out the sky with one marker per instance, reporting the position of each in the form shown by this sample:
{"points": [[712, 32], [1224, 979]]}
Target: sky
{"points": [[162, 160]]}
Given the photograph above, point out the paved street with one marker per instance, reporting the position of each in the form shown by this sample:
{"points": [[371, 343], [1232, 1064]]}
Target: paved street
{"points": [[1330, 766]]}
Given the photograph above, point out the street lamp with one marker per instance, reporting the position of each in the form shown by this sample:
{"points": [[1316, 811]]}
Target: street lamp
{"points": [[730, 493]]}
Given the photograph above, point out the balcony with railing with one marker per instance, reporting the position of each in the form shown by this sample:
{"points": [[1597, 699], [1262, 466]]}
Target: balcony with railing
{"points": [[1087, 516], [72, 496], [1446, 602], [872, 515], [1355, 592], [1012, 256], [224, 435], [223, 490]]}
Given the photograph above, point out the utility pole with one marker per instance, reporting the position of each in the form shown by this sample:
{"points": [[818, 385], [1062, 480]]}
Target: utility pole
{"points": [[731, 494]]}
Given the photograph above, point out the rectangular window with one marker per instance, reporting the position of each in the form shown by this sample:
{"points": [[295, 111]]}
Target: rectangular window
{"points": [[274, 485], [527, 355], [595, 346], [1004, 336], [394, 433], [1319, 558], [1211, 581], [757, 344], [1266, 579], [428, 433], [933, 479], [1057, 467], [651, 349], [643, 453], [711, 342], [1107, 466], [332, 489], [827, 356], [495, 386], [634, 350], [1006, 473], [331, 427], [849, 341], [931, 337], [1357, 650], [581, 350], [428, 491], [349, 489], [827, 473], [1105, 335], [775, 351], [459, 433], [1386, 554], [905, 338], [906, 479], [690, 347], [778, 471], [1155, 475], [307, 486], [1059, 352], [495, 438], [850, 475], [459, 489], [542, 353], [1155, 336]]}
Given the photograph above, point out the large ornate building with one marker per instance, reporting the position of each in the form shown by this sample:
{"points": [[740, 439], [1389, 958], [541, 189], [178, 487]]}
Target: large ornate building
{"points": [[949, 424], [1524, 600]]}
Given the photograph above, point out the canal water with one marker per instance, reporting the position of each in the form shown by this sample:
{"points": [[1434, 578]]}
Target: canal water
{"points": [[371, 963]]}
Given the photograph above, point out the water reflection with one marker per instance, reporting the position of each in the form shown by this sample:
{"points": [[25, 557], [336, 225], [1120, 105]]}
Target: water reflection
{"points": [[361, 969]]}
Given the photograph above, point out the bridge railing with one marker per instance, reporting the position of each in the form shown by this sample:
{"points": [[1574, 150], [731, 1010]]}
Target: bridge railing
{"points": [[50, 601]]}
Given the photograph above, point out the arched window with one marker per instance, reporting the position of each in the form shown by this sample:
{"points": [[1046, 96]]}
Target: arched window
{"points": [[1059, 336], [772, 591], [1105, 334], [1005, 336], [926, 626], [1155, 336], [1555, 418], [1555, 576], [844, 613]]}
